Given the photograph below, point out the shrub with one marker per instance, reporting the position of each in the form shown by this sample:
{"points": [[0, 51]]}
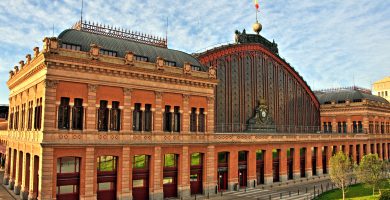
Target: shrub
{"points": [[385, 195]]}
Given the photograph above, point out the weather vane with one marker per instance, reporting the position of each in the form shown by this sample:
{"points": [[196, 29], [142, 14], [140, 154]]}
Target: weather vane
{"points": [[257, 26]]}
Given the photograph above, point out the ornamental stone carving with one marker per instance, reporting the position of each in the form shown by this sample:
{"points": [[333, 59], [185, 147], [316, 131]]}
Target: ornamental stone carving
{"points": [[186, 97], [212, 72], [16, 68], [158, 95], [94, 52], [50, 83], [127, 91], [28, 58], [50, 44], [21, 64], [92, 88], [159, 63], [129, 58], [36, 52], [210, 100], [187, 68], [11, 73]]}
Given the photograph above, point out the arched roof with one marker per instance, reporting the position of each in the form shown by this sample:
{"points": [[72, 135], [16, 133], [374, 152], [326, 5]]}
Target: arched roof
{"points": [[343, 95], [121, 46]]}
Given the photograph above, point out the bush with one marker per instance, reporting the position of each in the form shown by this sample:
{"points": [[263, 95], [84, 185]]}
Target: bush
{"points": [[385, 195]]}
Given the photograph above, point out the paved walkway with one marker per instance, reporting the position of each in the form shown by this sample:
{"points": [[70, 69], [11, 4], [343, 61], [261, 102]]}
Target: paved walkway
{"points": [[4, 195]]}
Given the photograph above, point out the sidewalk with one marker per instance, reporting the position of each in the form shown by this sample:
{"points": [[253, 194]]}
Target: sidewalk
{"points": [[4, 193]]}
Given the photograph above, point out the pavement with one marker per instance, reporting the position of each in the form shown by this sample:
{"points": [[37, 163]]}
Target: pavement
{"points": [[295, 191], [4, 193]]}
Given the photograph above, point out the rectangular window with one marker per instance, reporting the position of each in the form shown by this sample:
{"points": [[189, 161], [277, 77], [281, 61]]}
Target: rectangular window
{"points": [[168, 180], [30, 114], [137, 117], [176, 118], [201, 120], [141, 58], [23, 115], [71, 47], [222, 157], [167, 119], [196, 159], [68, 165], [148, 117], [193, 120], [170, 160], [106, 163], [67, 189], [330, 127], [344, 127], [169, 63], [339, 129], [103, 116], [325, 127], [138, 183], [115, 124], [11, 119], [77, 114], [354, 127], [106, 186], [259, 155], [140, 161], [360, 127], [16, 118], [195, 68], [371, 127], [63, 113], [242, 156], [38, 114], [108, 52]]}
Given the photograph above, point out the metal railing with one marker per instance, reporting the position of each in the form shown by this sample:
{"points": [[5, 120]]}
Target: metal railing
{"points": [[250, 128]]}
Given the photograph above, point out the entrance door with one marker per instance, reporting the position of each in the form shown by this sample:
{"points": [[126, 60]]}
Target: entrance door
{"points": [[242, 168], [140, 177], [196, 181], [314, 161], [303, 161], [196, 173], [106, 177], [324, 160], [222, 179], [242, 176], [170, 176]]}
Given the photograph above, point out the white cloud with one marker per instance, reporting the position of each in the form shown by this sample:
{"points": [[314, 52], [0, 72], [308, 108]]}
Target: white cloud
{"points": [[328, 42]]}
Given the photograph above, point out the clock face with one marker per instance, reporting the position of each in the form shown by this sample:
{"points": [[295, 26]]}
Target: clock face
{"points": [[263, 113]]}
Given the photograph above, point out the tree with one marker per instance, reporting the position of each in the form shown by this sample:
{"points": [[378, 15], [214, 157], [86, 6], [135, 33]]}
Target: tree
{"points": [[341, 169], [371, 171]]}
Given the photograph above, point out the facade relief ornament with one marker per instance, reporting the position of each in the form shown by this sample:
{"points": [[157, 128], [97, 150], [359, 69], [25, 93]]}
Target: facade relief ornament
{"points": [[28, 58], [36, 52], [210, 100], [94, 52], [50, 44], [158, 95], [50, 83], [186, 97], [129, 58], [16, 68], [127, 91], [159, 63], [187, 68], [11, 73], [261, 121], [92, 88], [21, 64], [212, 72]]}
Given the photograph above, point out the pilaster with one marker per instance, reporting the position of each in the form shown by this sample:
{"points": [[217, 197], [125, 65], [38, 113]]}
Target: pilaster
{"points": [[91, 108], [251, 168], [210, 178], [268, 175], [186, 117], [158, 122], [127, 113], [185, 174], [283, 164], [157, 176], [319, 161], [46, 174], [126, 171], [210, 115], [90, 192], [297, 164]]}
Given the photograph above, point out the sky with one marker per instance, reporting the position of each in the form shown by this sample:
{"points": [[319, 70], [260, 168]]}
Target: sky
{"points": [[330, 43]]}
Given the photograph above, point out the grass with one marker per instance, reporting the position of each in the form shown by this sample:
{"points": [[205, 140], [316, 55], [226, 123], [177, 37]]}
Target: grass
{"points": [[355, 192]]}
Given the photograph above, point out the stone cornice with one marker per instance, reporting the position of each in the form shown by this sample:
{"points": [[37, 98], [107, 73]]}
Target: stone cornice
{"points": [[118, 70]]}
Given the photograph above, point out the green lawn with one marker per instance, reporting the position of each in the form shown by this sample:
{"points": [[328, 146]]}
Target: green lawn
{"points": [[355, 192]]}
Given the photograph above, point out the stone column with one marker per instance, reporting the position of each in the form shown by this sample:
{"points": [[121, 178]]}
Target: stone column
{"points": [[297, 164], [334, 125], [186, 117], [33, 169], [158, 119], [319, 161], [157, 176], [91, 109], [127, 113], [12, 171], [46, 161], [126, 171], [251, 166], [233, 169], [7, 168], [283, 164], [308, 165], [268, 175], [365, 124], [184, 184], [353, 153], [386, 152], [25, 177], [18, 174], [90, 168], [210, 178], [210, 115]]}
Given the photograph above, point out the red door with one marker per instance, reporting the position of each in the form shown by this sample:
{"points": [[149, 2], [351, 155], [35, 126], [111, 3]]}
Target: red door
{"points": [[242, 175], [140, 184], [222, 180], [170, 182], [196, 180], [260, 171]]}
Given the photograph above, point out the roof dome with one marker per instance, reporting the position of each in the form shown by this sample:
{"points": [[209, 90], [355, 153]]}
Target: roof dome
{"points": [[356, 95], [121, 46]]}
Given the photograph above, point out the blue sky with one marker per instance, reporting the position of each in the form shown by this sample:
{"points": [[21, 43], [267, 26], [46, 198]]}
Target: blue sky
{"points": [[330, 43]]}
